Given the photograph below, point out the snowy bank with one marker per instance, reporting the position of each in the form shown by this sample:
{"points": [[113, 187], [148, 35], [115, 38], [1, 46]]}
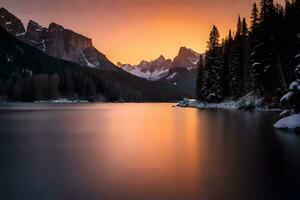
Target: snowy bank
{"points": [[291, 122], [244, 103], [191, 103], [63, 101]]}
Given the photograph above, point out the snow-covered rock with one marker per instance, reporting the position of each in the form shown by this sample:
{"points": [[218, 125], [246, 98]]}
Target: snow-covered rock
{"points": [[291, 122], [185, 102], [286, 97], [285, 113], [294, 86]]}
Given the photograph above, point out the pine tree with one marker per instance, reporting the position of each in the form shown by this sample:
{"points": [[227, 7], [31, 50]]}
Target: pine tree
{"points": [[230, 38], [267, 9], [244, 28], [245, 43], [200, 79], [291, 100], [291, 27], [226, 59], [236, 61], [264, 63], [234, 67], [254, 18], [214, 39], [212, 87], [257, 59], [255, 43], [238, 28]]}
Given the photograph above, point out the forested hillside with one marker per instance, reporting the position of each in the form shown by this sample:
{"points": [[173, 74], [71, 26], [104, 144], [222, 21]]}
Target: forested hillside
{"points": [[256, 59], [28, 74]]}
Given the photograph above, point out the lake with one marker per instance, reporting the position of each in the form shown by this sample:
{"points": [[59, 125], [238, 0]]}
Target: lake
{"points": [[144, 152]]}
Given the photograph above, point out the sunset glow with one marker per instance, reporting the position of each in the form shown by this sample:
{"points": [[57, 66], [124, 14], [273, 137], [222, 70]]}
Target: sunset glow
{"points": [[129, 31]]}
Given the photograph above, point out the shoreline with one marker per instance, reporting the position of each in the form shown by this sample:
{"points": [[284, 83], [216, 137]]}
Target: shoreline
{"points": [[226, 105]]}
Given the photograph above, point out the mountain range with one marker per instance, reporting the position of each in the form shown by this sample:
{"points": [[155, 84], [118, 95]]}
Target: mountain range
{"points": [[56, 41], [40, 63], [180, 72], [161, 67]]}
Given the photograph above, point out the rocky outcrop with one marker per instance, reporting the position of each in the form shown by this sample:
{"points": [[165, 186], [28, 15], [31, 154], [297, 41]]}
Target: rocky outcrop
{"points": [[35, 35], [57, 41], [11, 23], [68, 45], [186, 58]]}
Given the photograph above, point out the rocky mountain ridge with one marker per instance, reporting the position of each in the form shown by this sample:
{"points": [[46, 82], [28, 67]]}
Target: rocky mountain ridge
{"points": [[56, 41], [161, 67], [11, 23]]}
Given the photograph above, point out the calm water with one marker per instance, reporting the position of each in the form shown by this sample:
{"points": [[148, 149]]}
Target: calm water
{"points": [[144, 152]]}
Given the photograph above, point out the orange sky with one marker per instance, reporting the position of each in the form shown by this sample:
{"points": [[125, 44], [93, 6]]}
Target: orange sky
{"points": [[129, 31]]}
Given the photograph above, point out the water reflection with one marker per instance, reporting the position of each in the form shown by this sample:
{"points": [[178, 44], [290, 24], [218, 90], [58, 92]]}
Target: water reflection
{"points": [[144, 151]]}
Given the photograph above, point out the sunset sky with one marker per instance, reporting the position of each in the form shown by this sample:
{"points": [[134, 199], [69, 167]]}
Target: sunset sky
{"points": [[129, 31]]}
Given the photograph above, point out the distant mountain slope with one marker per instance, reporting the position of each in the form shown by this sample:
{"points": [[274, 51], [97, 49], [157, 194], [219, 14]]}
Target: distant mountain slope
{"points": [[180, 72], [153, 70], [159, 68], [182, 78], [28, 74], [57, 41]]}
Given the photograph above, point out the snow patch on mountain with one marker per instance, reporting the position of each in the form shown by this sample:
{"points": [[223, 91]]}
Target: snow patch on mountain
{"points": [[87, 62], [172, 76], [140, 72], [20, 34]]}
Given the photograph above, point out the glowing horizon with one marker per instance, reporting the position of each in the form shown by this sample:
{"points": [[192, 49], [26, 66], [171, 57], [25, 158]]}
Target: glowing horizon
{"points": [[134, 30]]}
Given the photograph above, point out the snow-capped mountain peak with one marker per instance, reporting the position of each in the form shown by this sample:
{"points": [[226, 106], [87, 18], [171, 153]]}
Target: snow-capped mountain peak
{"points": [[160, 67]]}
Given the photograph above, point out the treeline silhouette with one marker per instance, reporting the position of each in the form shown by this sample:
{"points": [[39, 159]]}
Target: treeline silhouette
{"points": [[257, 59]]}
